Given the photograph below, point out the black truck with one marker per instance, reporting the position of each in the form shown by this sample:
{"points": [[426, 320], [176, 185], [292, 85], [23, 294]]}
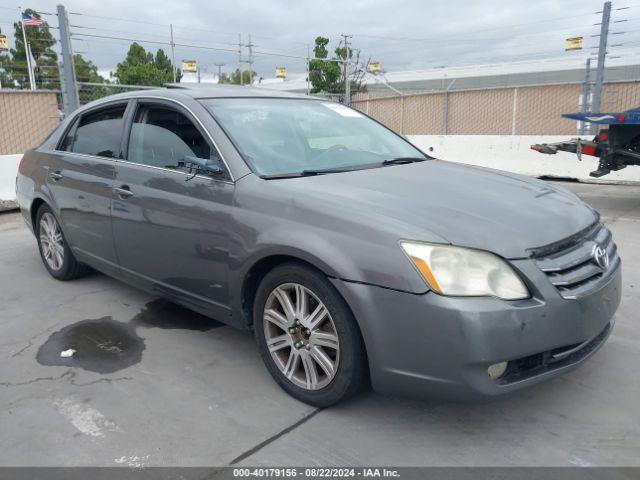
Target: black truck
{"points": [[617, 143]]}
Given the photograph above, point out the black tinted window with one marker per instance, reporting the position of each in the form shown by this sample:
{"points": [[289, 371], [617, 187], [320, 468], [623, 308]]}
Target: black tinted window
{"points": [[67, 141], [163, 137], [100, 133]]}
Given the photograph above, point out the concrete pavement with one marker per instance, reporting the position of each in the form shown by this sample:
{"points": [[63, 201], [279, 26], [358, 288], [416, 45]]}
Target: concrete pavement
{"points": [[194, 392]]}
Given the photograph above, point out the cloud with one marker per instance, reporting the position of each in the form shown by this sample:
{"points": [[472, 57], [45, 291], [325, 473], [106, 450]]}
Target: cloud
{"points": [[403, 35]]}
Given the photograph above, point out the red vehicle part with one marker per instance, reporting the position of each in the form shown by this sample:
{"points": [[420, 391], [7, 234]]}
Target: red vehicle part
{"points": [[616, 147]]}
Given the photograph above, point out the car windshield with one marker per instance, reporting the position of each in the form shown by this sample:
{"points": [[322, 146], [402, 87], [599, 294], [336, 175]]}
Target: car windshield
{"points": [[290, 137]]}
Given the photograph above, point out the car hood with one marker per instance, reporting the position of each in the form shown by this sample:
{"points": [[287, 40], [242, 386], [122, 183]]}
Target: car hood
{"points": [[467, 206]]}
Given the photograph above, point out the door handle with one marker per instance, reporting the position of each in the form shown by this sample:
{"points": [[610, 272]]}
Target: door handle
{"points": [[123, 191], [55, 176]]}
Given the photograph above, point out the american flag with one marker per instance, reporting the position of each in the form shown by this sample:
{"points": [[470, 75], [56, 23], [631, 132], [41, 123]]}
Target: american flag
{"points": [[31, 21]]}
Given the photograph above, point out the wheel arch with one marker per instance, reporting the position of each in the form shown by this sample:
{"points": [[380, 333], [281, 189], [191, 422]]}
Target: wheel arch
{"points": [[257, 271], [33, 210]]}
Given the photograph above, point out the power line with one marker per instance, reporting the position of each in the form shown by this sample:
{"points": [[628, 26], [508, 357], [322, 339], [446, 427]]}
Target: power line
{"points": [[158, 42], [442, 38], [159, 35]]}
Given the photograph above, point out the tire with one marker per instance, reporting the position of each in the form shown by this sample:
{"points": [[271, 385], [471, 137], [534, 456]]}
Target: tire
{"points": [[326, 338], [54, 249]]}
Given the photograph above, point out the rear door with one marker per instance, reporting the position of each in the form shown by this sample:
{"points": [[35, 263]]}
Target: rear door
{"points": [[171, 227], [81, 182]]}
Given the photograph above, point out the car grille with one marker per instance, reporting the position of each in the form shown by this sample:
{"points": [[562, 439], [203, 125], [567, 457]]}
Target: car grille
{"points": [[571, 266]]}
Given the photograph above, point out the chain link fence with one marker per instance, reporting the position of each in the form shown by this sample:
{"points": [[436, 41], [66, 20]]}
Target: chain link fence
{"points": [[526, 110], [518, 110], [27, 117], [88, 92]]}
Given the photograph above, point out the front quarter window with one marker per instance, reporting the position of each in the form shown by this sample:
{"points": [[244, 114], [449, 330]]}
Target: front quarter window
{"points": [[288, 136]]}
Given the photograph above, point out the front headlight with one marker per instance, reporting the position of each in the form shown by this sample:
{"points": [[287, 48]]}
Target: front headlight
{"points": [[464, 272]]}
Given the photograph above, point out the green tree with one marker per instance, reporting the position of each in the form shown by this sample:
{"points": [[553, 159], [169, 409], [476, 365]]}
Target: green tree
{"points": [[324, 75], [46, 67], [141, 68], [86, 70], [234, 78], [328, 75], [5, 67], [163, 63]]}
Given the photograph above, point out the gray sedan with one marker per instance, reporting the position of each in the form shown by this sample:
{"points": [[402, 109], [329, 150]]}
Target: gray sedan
{"points": [[352, 255]]}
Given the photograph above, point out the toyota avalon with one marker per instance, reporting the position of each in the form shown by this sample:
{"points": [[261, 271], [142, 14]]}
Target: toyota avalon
{"points": [[353, 256]]}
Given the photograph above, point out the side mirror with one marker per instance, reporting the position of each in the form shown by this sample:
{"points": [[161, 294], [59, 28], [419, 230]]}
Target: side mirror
{"points": [[204, 164]]}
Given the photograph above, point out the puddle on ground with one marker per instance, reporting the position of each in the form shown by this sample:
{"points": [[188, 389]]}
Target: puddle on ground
{"points": [[102, 345], [161, 313], [105, 345]]}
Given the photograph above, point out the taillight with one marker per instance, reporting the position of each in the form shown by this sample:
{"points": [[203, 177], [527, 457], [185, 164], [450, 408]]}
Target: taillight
{"points": [[21, 162]]}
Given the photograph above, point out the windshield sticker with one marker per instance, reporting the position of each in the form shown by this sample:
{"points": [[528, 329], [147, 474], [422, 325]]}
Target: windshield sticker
{"points": [[342, 110]]}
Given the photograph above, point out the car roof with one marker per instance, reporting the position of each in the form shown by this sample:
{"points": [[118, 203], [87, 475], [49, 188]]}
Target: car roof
{"points": [[200, 90], [196, 91]]}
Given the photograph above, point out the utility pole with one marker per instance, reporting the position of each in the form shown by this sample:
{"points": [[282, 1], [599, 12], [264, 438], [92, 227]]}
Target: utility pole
{"points": [[219, 65], [347, 80], [240, 57], [173, 53], [602, 53], [586, 93], [69, 90], [250, 61], [308, 69], [27, 53]]}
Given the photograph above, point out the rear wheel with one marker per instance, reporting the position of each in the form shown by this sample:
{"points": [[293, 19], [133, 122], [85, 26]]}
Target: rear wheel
{"points": [[54, 250], [307, 336]]}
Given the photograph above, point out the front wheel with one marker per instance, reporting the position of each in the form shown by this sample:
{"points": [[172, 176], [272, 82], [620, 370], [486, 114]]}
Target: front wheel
{"points": [[307, 336]]}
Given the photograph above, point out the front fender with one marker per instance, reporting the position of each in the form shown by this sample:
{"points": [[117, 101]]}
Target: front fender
{"points": [[337, 255]]}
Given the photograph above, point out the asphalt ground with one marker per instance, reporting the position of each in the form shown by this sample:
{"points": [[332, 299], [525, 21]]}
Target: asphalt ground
{"points": [[188, 391]]}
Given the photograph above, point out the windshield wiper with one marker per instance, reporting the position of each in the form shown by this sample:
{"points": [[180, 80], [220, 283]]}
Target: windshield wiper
{"points": [[312, 172], [305, 173], [403, 160], [308, 173], [324, 171]]}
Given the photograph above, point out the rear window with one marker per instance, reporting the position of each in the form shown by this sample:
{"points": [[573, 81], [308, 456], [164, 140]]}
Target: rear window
{"points": [[97, 133]]}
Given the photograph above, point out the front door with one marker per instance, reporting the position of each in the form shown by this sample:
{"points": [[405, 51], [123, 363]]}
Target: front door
{"points": [[171, 226]]}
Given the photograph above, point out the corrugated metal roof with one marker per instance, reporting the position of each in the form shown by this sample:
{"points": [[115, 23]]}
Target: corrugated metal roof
{"points": [[569, 69]]}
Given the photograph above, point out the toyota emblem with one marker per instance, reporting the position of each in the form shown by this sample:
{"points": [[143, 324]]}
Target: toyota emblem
{"points": [[600, 256]]}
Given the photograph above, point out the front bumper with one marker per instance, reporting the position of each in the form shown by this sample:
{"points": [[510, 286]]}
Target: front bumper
{"points": [[434, 346]]}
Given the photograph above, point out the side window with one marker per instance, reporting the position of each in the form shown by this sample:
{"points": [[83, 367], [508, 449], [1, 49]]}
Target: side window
{"points": [[67, 141], [163, 137], [99, 132]]}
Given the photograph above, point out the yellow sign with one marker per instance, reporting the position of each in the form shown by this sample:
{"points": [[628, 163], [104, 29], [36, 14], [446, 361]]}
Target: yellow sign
{"points": [[374, 67], [281, 72], [4, 45], [574, 43], [189, 66]]}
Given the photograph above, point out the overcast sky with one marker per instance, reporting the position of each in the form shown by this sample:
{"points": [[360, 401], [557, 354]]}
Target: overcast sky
{"points": [[402, 35]]}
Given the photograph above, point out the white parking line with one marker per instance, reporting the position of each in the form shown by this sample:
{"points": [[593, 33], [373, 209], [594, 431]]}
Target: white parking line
{"points": [[87, 420]]}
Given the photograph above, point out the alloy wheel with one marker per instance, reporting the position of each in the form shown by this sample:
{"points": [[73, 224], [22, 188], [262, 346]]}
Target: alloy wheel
{"points": [[301, 336], [51, 241]]}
